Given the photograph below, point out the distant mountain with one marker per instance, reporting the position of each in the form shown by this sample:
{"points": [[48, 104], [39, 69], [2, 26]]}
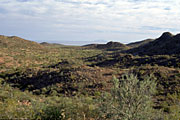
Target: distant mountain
{"points": [[51, 44], [45, 43], [139, 43], [166, 44], [14, 42], [109, 45]]}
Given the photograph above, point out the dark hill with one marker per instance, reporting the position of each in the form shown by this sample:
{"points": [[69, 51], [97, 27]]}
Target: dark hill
{"points": [[139, 43], [166, 44], [109, 45], [44, 43], [51, 44]]}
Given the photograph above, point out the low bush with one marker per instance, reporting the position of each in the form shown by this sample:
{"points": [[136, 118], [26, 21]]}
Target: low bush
{"points": [[129, 99]]}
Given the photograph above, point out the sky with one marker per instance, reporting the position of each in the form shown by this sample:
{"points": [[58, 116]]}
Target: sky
{"points": [[78, 22]]}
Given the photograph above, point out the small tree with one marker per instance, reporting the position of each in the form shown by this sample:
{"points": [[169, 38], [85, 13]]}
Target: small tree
{"points": [[129, 99]]}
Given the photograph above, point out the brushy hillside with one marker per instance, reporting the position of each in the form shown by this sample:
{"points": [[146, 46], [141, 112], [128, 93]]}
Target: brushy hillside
{"points": [[17, 52], [20, 53], [166, 44], [14, 42], [51, 81]]}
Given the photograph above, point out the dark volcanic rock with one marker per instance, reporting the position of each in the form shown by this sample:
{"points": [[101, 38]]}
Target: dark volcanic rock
{"points": [[166, 44], [139, 43], [110, 45]]}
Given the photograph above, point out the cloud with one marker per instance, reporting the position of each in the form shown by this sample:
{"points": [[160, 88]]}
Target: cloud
{"points": [[122, 20], [2, 11]]}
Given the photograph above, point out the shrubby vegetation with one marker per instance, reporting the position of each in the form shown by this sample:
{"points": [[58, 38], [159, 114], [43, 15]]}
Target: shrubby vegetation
{"points": [[53, 81], [15, 104], [130, 99]]}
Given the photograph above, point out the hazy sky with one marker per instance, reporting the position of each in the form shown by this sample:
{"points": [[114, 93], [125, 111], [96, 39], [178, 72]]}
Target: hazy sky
{"points": [[73, 21]]}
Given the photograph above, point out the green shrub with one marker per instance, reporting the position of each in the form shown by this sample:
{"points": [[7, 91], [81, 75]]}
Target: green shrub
{"points": [[172, 107], [51, 113], [129, 99], [66, 108]]}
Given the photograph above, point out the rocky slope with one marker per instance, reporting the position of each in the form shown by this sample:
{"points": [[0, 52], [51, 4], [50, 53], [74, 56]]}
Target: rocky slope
{"points": [[139, 43], [166, 44]]}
